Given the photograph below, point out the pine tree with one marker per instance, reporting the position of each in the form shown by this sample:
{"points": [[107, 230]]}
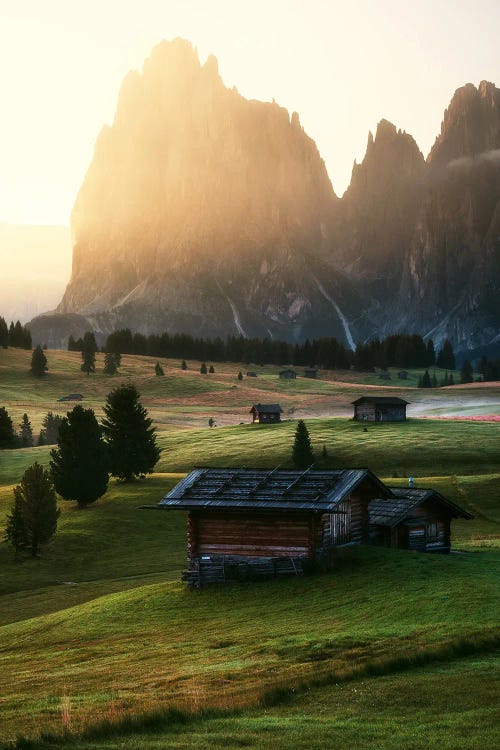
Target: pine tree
{"points": [[129, 433], [431, 354], [7, 434], [79, 464], [466, 373], [110, 366], [88, 349], [25, 433], [33, 518], [4, 334], [240, 375], [211, 369], [203, 369], [16, 533], [184, 365], [434, 381], [302, 453], [426, 380], [445, 380], [49, 433], [446, 358], [38, 362], [159, 370], [451, 381]]}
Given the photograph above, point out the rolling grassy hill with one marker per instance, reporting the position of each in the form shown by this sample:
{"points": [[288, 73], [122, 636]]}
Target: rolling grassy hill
{"points": [[100, 629]]}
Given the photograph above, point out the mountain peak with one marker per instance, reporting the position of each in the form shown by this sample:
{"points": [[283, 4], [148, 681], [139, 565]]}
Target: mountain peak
{"points": [[471, 124]]}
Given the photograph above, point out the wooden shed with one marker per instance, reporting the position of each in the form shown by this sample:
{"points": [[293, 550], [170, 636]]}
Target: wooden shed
{"points": [[288, 374], [380, 409], [311, 372], [254, 523], [266, 413], [416, 519]]}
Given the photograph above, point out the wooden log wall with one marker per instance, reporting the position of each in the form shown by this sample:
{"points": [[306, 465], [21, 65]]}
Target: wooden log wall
{"points": [[253, 535]]}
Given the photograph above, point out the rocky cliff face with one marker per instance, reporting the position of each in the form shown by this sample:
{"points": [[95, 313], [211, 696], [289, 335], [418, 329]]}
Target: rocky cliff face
{"points": [[201, 211], [423, 237], [207, 213]]}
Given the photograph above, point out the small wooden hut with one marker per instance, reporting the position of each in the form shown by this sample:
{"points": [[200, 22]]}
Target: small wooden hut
{"points": [[252, 523], [266, 413], [403, 375], [288, 374], [380, 409], [416, 519], [311, 372]]}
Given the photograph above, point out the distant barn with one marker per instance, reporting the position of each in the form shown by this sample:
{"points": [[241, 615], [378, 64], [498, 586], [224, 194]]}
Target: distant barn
{"points": [[403, 375], [385, 375], [71, 397], [255, 523], [266, 413], [380, 409], [311, 372], [416, 519], [251, 374], [288, 374]]}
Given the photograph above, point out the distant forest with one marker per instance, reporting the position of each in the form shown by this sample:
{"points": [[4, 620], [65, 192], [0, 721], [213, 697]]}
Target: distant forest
{"points": [[399, 350]]}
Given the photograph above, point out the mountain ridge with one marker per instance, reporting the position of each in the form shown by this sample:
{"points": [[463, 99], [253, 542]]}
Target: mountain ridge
{"points": [[207, 213]]}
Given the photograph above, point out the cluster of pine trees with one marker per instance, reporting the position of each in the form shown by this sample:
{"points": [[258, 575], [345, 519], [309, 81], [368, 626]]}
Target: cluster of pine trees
{"points": [[23, 437], [398, 350], [489, 369], [15, 335], [87, 453]]}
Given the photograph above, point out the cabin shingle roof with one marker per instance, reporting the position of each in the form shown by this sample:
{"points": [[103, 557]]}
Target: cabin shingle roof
{"points": [[313, 490], [390, 512], [268, 408], [382, 400]]}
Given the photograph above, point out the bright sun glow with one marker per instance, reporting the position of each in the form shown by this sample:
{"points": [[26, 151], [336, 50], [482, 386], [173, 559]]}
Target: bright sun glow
{"points": [[342, 66]]}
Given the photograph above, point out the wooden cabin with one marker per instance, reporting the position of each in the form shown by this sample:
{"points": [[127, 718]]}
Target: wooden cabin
{"points": [[288, 374], [266, 413], [385, 375], [255, 523], [311, 372], [251, 374], [415, 519], [380, 409], [403, 375]]}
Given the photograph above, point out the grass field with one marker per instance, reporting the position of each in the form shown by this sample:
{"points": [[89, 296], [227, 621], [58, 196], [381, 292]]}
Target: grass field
{"points": [[100, 629]]}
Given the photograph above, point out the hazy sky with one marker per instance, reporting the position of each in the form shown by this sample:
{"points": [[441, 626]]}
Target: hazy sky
{"points": [[342, 65]]}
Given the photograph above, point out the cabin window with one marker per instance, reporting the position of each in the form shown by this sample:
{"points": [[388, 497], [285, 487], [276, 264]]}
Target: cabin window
{"points": [[432, 530]]}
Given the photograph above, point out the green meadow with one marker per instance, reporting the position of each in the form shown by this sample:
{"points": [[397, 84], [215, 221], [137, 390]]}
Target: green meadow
{"points": [[101, 646]]}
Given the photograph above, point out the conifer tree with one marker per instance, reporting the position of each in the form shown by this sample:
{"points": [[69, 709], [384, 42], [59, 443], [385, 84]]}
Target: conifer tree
{"points": [[426, 380], [434, 381], [33, 518], [38, 362], [446, 357], [89, 349], [159, 370], [203, 368], [25, 433], [240, 375], [110, 366], [129, 433], [466, 373], [451, 381], [4, 334], [184, 365], [7, 434], [431, 354], [79, 465], [302, 453], [49, 433], [211, 369]]}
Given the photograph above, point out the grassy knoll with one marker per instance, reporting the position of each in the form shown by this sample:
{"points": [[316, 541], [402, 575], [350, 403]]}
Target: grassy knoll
{"points": [[426, 708], [188, 399], [108, 540], [160, 644], [418, 447]]}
